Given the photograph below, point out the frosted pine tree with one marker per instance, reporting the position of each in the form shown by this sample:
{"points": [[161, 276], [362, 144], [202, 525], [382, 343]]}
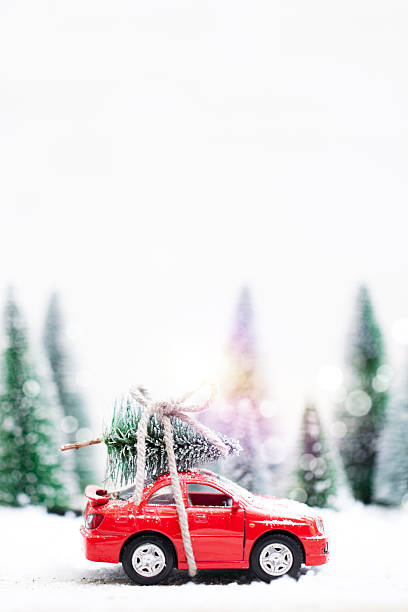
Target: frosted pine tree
{"points": [[363, 410], [191, 447], [76, 422], [243, 391], [315, 473], [391, 477], [30, 463]]}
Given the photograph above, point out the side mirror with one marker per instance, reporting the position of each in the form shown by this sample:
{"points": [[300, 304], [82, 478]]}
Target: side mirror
{"points": [[235, 504]]}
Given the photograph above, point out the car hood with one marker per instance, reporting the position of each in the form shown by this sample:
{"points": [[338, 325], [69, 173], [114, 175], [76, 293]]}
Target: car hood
{"points": [[287, 508]]}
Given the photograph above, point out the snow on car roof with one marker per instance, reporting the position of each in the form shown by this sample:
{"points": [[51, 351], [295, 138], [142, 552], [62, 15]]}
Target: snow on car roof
{"points": [[196, 474]]}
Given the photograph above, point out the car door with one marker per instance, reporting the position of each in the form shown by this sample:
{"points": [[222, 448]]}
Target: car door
{"points": [[162, 508], [216, 528]]}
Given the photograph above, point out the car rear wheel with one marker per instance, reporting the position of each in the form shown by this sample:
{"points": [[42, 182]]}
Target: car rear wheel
{"points": [[276, 556], [147, 559]]}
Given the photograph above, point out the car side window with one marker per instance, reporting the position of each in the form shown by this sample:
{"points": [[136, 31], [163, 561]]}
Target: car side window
{"points": [[162, 497], [205, 495]]}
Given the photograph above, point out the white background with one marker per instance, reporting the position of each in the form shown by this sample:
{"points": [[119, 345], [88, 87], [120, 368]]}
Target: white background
{"points": [[156, 156]]}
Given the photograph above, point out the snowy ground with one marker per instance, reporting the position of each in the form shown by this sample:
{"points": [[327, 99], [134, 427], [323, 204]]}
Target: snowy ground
{"points": [[42, 568]]}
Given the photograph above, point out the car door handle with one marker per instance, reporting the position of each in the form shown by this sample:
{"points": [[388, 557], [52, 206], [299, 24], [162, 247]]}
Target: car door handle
{"points": [[201, 518]]}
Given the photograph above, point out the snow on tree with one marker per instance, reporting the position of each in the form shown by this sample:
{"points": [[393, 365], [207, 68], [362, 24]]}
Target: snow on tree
{"points": [[391, 476], [315, 473], [363, 410], [191, 448], [30, 463], [244, 392], [75, 423]]}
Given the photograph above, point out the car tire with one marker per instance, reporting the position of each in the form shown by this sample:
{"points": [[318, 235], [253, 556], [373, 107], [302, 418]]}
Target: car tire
{"points": [[275, 556], [148, 559]]}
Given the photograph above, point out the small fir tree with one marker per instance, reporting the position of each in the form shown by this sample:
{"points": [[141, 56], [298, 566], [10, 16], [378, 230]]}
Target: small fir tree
{"points": [[243, 392], [363, 410], [30, 463], [391, 477], [75, 416], [315, 473], [191, 448]]}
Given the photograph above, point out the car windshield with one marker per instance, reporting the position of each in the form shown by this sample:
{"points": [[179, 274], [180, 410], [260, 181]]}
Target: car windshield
{"points": [[235, 488]]}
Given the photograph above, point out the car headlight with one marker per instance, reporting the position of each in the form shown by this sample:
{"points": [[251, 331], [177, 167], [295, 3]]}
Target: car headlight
{"points": [[319, 525]]}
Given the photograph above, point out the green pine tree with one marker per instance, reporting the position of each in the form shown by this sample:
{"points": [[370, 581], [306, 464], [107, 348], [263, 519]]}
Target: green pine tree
{"points": [[391, 475], [316, 473], [75, 416], [363, 410], [30, 463], [191, 448]]}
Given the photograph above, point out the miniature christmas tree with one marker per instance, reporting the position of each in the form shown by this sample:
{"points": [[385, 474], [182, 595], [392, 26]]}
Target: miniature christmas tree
{"points": [[391, 478], [315, 474], [30, 466], [191, 448], [70, 400], [363, 411]]}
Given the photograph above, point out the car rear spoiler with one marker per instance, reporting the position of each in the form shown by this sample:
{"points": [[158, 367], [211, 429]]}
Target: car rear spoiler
{"points": [[96, 495]]}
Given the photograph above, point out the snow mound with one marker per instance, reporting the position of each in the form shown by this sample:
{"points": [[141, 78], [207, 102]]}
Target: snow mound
{"points": [[42, 568]]}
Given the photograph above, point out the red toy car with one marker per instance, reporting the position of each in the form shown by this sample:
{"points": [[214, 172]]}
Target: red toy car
{"points": [[229, 528]]}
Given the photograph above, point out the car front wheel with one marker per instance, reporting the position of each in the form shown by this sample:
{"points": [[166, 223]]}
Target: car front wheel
{"points": [[275, 556], [147, 560]]}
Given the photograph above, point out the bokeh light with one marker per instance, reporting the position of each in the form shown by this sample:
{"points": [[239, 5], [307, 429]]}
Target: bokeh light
{"points": [[307, 462], [380, 383], [31, 388], [386, 370], [382, 380], [23, 499], [69, 424], [338, 429], [358, 403]]}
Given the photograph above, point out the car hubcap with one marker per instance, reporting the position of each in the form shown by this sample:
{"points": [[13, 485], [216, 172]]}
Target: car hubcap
{"points": [[276, 559], [148, 560]]}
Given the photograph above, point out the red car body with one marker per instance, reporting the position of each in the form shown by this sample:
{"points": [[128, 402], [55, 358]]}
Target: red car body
{"points": [[222, 536]]}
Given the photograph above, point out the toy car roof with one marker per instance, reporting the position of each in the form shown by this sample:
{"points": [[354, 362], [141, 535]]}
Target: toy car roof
{"points": [[195, 474]]}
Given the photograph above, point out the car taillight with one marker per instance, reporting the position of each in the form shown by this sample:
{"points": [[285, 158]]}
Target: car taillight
{"points": [[93, 520]]}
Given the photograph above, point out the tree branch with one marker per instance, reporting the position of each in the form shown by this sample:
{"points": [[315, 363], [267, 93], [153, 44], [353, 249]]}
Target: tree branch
{"points": [[77, 445]]}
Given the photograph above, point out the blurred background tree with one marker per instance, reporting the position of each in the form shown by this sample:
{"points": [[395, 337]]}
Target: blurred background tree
{"points": [[75, 423], [363, 410], [30, 463], [391, 479], [316, 472], [243, 390]]}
